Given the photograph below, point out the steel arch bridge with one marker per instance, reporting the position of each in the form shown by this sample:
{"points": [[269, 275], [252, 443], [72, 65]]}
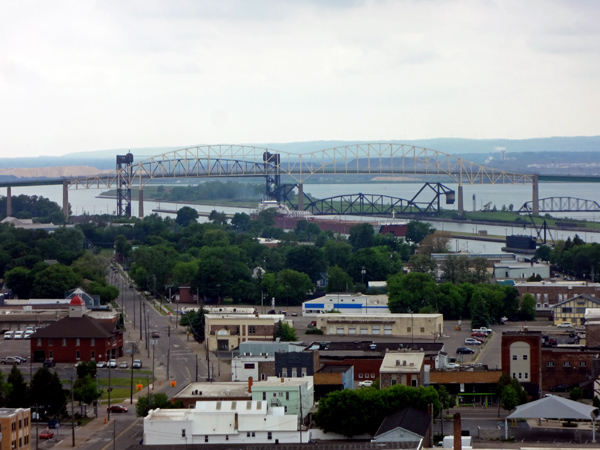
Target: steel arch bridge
{"points": [[562, 204], [247, 161]]}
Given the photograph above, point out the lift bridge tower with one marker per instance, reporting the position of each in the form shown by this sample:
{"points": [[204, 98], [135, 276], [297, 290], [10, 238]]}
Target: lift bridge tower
{"points": [[124, 171]]}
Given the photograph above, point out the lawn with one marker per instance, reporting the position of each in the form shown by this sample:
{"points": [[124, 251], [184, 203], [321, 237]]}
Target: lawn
{"points": [[123, 381]]}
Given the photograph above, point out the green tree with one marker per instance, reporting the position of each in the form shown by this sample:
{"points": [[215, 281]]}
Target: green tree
{"points": [[294, 286], [218, 218], [85, 390], [307, 259], [19, 280], [186, 215], [337, 253], [241, 222], [54, 281], [86, 368], [422, 263], [576, 393], [338, 280], [184, 272], [122, 246], [151, 401], [479, 312], [542, 253], [449, 301], [106, 292], [361, 236], [194, 320], [47, 390], [412, 291], [285, 332], [527, 311], [17, 398], [90, 266], [416, 231], [509, 399]]}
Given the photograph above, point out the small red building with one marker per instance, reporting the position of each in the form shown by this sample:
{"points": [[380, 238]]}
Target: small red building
{"points": [[77, 337]]}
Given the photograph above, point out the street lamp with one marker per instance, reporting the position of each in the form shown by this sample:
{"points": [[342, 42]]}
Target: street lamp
{"points": [[362, 273]]}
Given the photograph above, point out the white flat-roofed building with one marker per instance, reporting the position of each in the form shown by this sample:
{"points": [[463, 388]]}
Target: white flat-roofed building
{"points": [[222, 422], [425, 326], [256, 366], [404, 368], [516, 270], [224, 332], [346, 303]]}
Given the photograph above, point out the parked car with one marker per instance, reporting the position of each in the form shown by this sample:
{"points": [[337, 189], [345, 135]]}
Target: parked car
{"points": [[124, 365], [101, 364], [117, 409], [452, 365], [481, 330], [155, 334], [465, 351], [560, 388], [29, 329], [131, 286], [366, 383], [46, 434], [10, 360], [23, 360], [112, 363], [52, 423], [49, 363], [18, 335], [137, 364], [560, 325], [471, 341], [552, 342], [9, 335], [28, 334], [294, 314], [283, 312], [479, 334]]}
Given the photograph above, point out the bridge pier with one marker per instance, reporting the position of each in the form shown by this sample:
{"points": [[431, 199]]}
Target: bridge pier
{"points": [[65, 207], [535, 201], [461, 205], [8, 201], [300, 197], [141, 204]]}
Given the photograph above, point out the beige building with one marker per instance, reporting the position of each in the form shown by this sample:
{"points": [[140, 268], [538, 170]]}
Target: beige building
{"points": [[424, 326], [15, 426], [404, 368], [224, 332], [573, 310]]}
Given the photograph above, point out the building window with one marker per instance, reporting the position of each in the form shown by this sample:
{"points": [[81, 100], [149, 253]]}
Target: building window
{"points": [[77, 356], [294, 373], [251, 329], [413, 383], [394, 382], [375, 329], [524, 357], [205, 438], [248, 365], [49, 342], [64, 342], [285, 409], [51, 355], [360, 375], [514, 357], [387, 329], [582, 364], [39, 342], [567, 364], [264, 395], [253, 434], [248, 434], [77, 342], [519, 375], [339, 330], [92, 342], [538, 305], [550, 364], [364, 330], [514, 375], [269, 435], [263, 377], [373, 375], [183, 432], [284, 374], [351, 330], [287, 395], [408, 329], [567, 310], [226, 437], [526, 375], [422, 329], [580, 310]]}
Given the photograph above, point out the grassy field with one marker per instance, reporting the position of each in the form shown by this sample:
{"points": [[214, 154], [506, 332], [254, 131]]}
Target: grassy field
{"points": [[123, 381], [121, 387]]}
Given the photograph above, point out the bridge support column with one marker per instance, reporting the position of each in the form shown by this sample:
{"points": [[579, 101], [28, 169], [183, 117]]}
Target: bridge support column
{"points": [[65, 208], [300, 197], [141, 204], [8, 201], [461, 205], [535, 201]]}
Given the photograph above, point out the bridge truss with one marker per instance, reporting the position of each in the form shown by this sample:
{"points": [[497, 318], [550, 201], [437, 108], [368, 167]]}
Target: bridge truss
{"points": [[562, 204]]}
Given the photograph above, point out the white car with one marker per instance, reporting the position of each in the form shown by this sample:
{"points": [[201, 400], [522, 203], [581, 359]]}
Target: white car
{"points": [[9, 334], [137, 364], [28, 334], [124, 365], [560, 325], [366, 383], [452, 366], [112, 363], [471, 341], [19, 335]]}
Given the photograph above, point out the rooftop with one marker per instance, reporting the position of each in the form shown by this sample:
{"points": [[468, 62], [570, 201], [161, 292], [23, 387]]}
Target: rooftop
{"points": [[394, 362], [8, 412], [278, 382], [75, 327], [225, 389], [334, 369], [411, 419], [380, 347], [518, 265]]}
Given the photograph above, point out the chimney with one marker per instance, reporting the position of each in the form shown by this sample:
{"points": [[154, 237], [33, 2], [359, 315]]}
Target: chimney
{"points": [[249, 385], [457, 432]]}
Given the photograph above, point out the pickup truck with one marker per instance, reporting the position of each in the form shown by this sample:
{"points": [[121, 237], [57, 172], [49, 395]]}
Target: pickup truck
{"points": [[481, 330], [10, 360]]}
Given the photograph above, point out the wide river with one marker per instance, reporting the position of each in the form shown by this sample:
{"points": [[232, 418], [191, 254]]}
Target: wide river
{"points": [[474, 197]]}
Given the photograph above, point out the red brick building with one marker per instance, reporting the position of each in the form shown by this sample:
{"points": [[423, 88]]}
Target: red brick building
{"points": [[77, 337], [570, 366], [547, 293]]}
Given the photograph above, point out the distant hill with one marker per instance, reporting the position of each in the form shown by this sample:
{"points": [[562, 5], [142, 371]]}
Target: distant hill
{"points": [[561, 147]]}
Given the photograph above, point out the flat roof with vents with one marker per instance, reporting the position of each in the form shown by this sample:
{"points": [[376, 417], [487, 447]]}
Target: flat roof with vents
{"points": [[395, 362]]}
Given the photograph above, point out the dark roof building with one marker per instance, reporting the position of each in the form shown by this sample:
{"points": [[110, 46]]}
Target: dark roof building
{"points": [[407, 425]]}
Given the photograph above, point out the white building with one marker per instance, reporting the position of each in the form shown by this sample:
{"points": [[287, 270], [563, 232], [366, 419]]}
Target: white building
{"points": [[257, 367], [521, 270], [222, 422], [346, 304]]}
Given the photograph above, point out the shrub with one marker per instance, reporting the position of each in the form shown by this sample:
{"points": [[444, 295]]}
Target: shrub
{"points": [[314, 331]]}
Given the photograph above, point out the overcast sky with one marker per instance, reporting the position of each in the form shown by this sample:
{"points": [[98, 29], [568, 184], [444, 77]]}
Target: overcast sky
{"points": [[90, 75]]}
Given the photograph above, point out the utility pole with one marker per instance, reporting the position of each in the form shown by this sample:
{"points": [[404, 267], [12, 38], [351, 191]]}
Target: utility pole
{"points": [[132, 351], [169, 350], [148, 383], [301, 418], [141, 323], [196, 367], [148, 333], [114, 434], [153, 364], [37, 421], [133, 321], [109, 389], [72, 415]]}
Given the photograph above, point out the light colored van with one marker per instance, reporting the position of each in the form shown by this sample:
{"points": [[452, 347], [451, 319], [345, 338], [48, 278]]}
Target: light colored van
{"points": [[565, 325], [9, 334], [19, 335]]}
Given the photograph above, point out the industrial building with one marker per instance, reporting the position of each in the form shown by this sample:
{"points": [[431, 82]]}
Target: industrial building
{"points": [[225, 332], [346, 303], [15, 429]]}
